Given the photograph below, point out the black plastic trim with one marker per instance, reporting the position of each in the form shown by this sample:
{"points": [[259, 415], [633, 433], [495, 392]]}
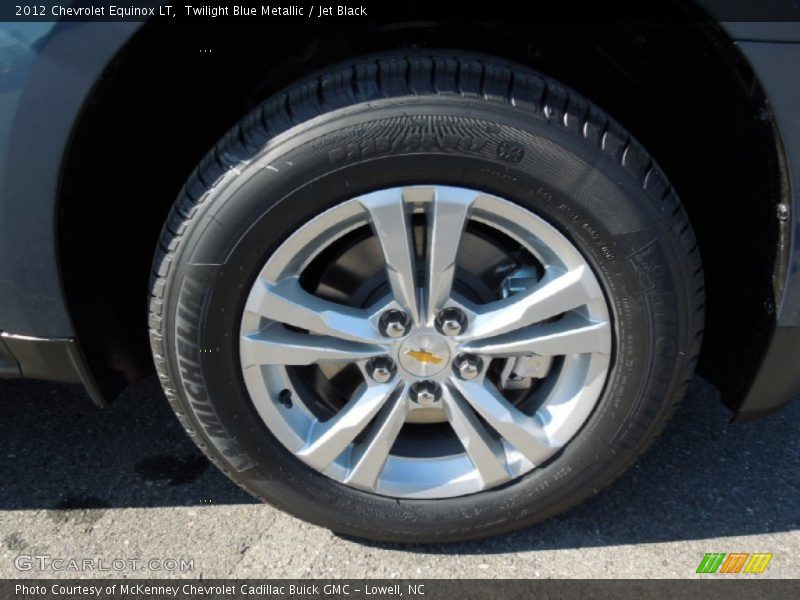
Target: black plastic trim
{"points": [[778, 378], [54, 359], [9, 367]]}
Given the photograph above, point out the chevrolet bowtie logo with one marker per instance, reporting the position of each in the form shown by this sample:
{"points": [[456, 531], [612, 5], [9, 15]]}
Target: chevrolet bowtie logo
{"points": [[425, 357]]}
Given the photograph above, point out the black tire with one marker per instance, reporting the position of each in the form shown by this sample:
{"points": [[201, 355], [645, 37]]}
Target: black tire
{"points": [[468, 120]]}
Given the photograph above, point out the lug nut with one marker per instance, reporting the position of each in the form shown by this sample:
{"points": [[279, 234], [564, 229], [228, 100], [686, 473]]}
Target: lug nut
{"points": [[394, 323], [381, 369], [424, 393], [467, 366], [451, 321]]}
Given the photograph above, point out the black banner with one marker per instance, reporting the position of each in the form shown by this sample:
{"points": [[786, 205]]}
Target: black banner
{"points": [[399, 10]]}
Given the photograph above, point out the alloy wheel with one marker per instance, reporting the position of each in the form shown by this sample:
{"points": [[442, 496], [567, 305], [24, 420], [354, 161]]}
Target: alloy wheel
{"points": [[425, 341]]}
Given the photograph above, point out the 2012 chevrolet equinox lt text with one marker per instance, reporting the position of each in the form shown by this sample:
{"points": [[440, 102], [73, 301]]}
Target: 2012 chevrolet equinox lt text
{"points": [[409, 280]]}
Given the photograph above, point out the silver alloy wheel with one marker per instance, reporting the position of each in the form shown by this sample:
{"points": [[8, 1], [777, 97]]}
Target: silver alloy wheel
{"points": [[562, 316]]}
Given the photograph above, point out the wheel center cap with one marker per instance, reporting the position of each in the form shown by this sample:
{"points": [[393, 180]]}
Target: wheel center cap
{"points": [[424, 354]]}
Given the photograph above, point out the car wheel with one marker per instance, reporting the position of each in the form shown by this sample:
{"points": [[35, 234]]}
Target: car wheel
{"points": [[426, 297]]}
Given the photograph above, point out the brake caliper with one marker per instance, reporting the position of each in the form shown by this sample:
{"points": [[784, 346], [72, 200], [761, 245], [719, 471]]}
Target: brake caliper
{"points": [[519, 371]]}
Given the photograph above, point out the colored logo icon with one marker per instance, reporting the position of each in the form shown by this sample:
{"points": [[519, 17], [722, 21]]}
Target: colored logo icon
{"points": [[734, 562]]}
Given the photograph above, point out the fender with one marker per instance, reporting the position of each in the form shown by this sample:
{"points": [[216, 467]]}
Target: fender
{"points": [[52, 69]]}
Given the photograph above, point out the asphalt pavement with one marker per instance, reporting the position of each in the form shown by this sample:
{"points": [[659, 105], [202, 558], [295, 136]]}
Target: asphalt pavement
{"points": [[126, 484]]}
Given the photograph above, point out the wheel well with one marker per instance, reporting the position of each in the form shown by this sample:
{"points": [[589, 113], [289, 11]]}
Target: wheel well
{"points": [[680, 86]]}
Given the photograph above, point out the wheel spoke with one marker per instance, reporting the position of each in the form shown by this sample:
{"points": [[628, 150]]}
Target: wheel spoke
{"points": [[446, 219], [486, 453], [571, 335], [557, 293], [390, 220], [522, 431], [277, 345], [287, 302], [328, 439], [368, 458]]}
